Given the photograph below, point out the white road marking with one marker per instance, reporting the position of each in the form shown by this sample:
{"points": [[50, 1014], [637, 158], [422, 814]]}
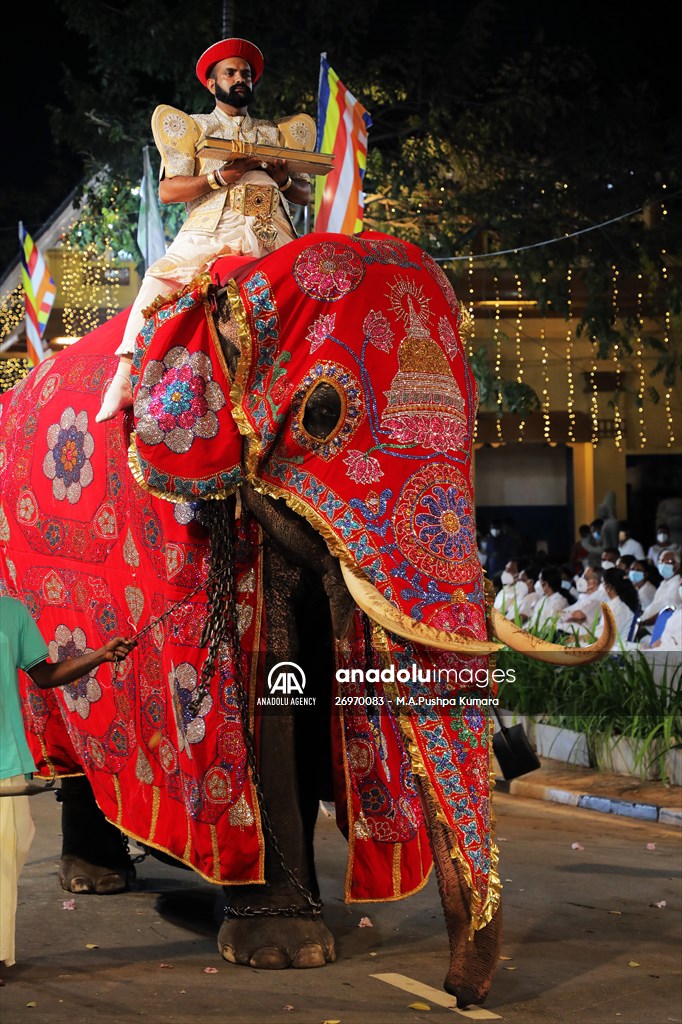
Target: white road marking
{"points": [[416, 988]]}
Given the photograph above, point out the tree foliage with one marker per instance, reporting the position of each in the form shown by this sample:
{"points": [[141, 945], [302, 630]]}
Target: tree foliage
{"points": [[483, 138]]}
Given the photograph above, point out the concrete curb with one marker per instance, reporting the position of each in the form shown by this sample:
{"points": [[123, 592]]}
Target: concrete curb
{"points": [[603, 804]]}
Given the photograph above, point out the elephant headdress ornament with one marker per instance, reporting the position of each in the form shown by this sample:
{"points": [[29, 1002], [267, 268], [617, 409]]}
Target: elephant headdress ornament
{"points": [[317, 406]]}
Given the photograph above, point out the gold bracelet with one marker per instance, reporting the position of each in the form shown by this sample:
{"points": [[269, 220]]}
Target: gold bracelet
{"points": [[212, 183], [287, 184]]}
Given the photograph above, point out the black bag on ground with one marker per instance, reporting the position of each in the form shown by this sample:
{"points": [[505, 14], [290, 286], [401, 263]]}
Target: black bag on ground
{"points": [[514, 751]]}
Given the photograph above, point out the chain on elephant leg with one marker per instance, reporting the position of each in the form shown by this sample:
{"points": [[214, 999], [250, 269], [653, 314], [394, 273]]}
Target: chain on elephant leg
{"points": [[274, 941], [473, 960]]}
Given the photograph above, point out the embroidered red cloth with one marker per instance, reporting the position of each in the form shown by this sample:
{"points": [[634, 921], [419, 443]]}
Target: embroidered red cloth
{"points": [[95, 554]]}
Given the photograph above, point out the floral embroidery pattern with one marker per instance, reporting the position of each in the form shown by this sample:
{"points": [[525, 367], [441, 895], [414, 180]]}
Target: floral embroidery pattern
{"points": [[378, 330], [434, 525], [177, 400], [328, 271], [447, 528], [362, 468], [80, 695], [67, 462], [320, 330], [191, 728]]}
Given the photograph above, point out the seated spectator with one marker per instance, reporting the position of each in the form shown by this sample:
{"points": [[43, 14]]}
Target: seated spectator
{"points": [[624, 562], [552, 602], [662, 544], [578, 555], [512, 590], [609, 558], [584, 614], [593, 544], [624, 604], [529, 577], [641, 574], [627, 545], [667, 593], [568, 579], [671, 637], [498, 550]]}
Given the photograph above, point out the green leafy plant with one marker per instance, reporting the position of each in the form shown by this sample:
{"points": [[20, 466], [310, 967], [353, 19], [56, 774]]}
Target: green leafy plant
{"points": [[620, 696]]}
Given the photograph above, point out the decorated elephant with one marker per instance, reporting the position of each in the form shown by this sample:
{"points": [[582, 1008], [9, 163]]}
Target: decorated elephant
{"points": [[286, 523]]}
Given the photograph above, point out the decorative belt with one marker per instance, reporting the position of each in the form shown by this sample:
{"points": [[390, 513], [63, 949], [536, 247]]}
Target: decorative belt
{"points": [[261, 202]]}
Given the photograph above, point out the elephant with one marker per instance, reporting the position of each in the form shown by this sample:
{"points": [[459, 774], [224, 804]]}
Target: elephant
{"points": [[285, 521]]}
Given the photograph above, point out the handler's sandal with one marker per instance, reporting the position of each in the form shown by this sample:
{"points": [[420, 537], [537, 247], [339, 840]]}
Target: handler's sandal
{"points": [[118, 396]]}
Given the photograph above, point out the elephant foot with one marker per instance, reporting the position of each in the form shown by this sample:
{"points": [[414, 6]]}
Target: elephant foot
{"points": [[276, 942], [78, 876], [473, 962]]}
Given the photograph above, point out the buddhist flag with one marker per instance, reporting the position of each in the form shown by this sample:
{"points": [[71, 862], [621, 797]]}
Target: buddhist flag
{"points": [[39, 295], [150, 234], [342, 126]]}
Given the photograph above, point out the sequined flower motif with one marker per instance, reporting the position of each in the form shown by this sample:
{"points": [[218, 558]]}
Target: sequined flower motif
{"points": [[447, 528], [448, 338], [378, 330], [174, 125], [320, 330], [328, 271], [177, 400], [67, 462], [188, 719], [362, 468], [78, 696]]}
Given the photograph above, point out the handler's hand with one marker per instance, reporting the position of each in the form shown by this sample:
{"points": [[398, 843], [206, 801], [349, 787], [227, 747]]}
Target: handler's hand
{"points": [[118, 649]]}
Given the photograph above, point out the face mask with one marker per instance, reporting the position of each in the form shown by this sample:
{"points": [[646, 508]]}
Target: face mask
{"points": [[608, 565], [666, 569], [507, 579], [581, 585], [565, 584], [597, 536], [662, 538], [636, 576], [538, 588], [494, 533]]}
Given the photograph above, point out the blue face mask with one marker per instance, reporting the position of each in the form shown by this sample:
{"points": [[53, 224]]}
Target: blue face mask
{"points": [[666, 569], [636, 576]]}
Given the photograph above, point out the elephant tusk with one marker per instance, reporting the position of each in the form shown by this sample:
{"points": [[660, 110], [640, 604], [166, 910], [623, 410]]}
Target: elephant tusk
{"points": [[542, 650], [368, 598]]}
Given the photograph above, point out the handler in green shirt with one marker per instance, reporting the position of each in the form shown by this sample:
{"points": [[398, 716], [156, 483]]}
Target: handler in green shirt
{"points": [[22, 647]]}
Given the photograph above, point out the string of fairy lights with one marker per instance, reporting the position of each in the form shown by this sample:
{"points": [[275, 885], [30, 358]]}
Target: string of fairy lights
{"points": [[90, 290]]}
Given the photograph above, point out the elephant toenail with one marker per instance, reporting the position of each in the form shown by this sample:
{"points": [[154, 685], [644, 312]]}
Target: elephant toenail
{"points": [[270, 958], [309, 955]]}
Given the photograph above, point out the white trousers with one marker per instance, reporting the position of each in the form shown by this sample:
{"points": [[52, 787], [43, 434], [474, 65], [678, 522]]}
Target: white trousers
{"points": [[16, 835], [193, 251]]}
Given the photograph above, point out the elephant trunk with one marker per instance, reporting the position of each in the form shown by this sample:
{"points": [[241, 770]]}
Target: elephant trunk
{"points": [[473, 959]]}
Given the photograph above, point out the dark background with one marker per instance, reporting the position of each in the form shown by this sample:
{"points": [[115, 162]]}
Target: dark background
{"points": [[625, 50]]}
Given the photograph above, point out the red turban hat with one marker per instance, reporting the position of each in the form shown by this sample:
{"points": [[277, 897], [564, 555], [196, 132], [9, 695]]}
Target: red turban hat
{"points": [[230, 48]]}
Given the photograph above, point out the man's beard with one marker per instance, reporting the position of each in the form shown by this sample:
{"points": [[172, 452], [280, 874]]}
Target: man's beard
{"points": [[236, 96]]}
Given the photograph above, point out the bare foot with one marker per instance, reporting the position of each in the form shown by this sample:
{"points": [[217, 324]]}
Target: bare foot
{"points": [[118, 396]]}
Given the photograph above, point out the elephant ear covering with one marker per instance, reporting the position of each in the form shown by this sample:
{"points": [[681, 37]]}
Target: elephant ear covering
{"points": [[388, 486], [186, 445], [93, 555]]}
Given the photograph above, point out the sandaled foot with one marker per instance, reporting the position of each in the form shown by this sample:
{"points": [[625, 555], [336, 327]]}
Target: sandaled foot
{"points": [[118, 396], [77, 876]]}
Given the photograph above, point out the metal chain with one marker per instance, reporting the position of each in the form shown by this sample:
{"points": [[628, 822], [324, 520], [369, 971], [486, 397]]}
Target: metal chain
{"points": [[222, 626]]}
